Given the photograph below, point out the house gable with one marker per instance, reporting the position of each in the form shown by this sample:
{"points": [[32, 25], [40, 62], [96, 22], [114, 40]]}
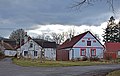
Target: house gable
{"points": [[89, 40], [27, 46]]}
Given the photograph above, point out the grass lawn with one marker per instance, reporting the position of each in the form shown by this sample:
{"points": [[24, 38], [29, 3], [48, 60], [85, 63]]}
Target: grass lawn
{"points": [[114, 73], [26, 62]]}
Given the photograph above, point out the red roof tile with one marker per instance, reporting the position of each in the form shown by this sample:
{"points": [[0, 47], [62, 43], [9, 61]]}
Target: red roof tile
{"points": [[69, 43]]}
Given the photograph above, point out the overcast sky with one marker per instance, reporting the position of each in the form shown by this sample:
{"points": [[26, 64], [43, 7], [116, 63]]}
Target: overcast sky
{"points": [[34, 14]]}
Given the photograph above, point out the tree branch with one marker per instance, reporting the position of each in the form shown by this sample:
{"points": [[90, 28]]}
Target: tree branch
{"points": [[79, 4]]}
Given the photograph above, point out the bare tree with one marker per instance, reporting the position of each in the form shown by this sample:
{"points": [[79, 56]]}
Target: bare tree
{"points": [[71, 33], [43, 36], [17, 34], [58, 38], [80, 3]]}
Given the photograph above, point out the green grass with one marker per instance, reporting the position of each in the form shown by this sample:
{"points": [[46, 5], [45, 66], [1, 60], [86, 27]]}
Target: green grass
{"points": [[26, 62], [114, 73]]}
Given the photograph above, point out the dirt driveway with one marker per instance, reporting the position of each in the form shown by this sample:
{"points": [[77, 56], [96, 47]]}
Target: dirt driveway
{"points": [[9, 69]]}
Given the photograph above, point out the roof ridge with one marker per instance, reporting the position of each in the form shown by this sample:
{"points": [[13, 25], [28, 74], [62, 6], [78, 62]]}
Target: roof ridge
{"points": [[73, 41]]}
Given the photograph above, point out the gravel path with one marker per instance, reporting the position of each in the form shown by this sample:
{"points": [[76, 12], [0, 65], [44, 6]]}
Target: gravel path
{"points": [[9, 69]]}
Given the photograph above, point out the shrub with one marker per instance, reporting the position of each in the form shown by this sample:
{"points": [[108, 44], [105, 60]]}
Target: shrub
{"points": [[85, 58], [108, 57], [94, 58], [78, 59], [1, 55]]}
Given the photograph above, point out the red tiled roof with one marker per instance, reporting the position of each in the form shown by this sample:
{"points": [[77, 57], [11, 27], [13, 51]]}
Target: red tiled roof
{"points": [[112, 46], [69, 43]]}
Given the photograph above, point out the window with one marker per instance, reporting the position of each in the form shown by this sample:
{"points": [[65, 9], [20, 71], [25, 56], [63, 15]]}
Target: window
{"points": [[88, 43], [94, 41], [31, 45], [83, 52], [35, 53], [25, 53], [93, 52], [83, 40], [88, 38]]}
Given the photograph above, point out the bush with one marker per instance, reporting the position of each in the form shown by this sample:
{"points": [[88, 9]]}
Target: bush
{"points": [[108, 57], [94, 58], [77, 59], [1, 55], [85, 58]]}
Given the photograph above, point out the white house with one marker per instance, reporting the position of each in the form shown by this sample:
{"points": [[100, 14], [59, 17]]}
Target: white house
{"points": [[35, 48], [85, 44]]}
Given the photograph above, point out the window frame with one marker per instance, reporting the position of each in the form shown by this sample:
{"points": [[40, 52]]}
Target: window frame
{"points": [[94, 52], [81, 53], [88, 43]]}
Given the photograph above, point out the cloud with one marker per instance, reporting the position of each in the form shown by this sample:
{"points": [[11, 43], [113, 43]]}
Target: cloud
{"points": [[58, 28], [27, 13]]}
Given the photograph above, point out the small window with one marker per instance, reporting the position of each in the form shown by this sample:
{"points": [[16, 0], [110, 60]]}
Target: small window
{"points": [[83, 40], [88, 38], [83, 52], [31, 45], [94, 41], [35, 53], [88, 43], [93, 52], [25, 53]]}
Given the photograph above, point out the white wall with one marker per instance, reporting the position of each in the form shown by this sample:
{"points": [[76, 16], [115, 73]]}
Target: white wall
{"points": [[26, 47], [10, 52], [50, 53]]}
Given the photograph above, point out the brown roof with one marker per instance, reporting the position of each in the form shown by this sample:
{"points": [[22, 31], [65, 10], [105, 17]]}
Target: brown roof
{"points": [[10, 42], [7, 46], [69, 43]]}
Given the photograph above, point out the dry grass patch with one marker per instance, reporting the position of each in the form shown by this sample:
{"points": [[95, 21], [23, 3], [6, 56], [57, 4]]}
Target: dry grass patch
{"points": [[28, 62], [114, 73]]}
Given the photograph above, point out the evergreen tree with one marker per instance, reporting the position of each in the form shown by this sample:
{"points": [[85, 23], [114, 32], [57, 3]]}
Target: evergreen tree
{"points": [[112, 32]]}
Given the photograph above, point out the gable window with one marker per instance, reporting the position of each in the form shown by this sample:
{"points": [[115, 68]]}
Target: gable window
{"points": [[88, 43], [35, 53], [93, 52], [88, 38], [83, 40], [83, 52], [94, 41], [31, 45], [25, 53]]}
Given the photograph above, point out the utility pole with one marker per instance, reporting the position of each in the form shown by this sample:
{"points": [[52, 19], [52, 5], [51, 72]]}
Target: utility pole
{"points": [[42, 56], [20, 44]]}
